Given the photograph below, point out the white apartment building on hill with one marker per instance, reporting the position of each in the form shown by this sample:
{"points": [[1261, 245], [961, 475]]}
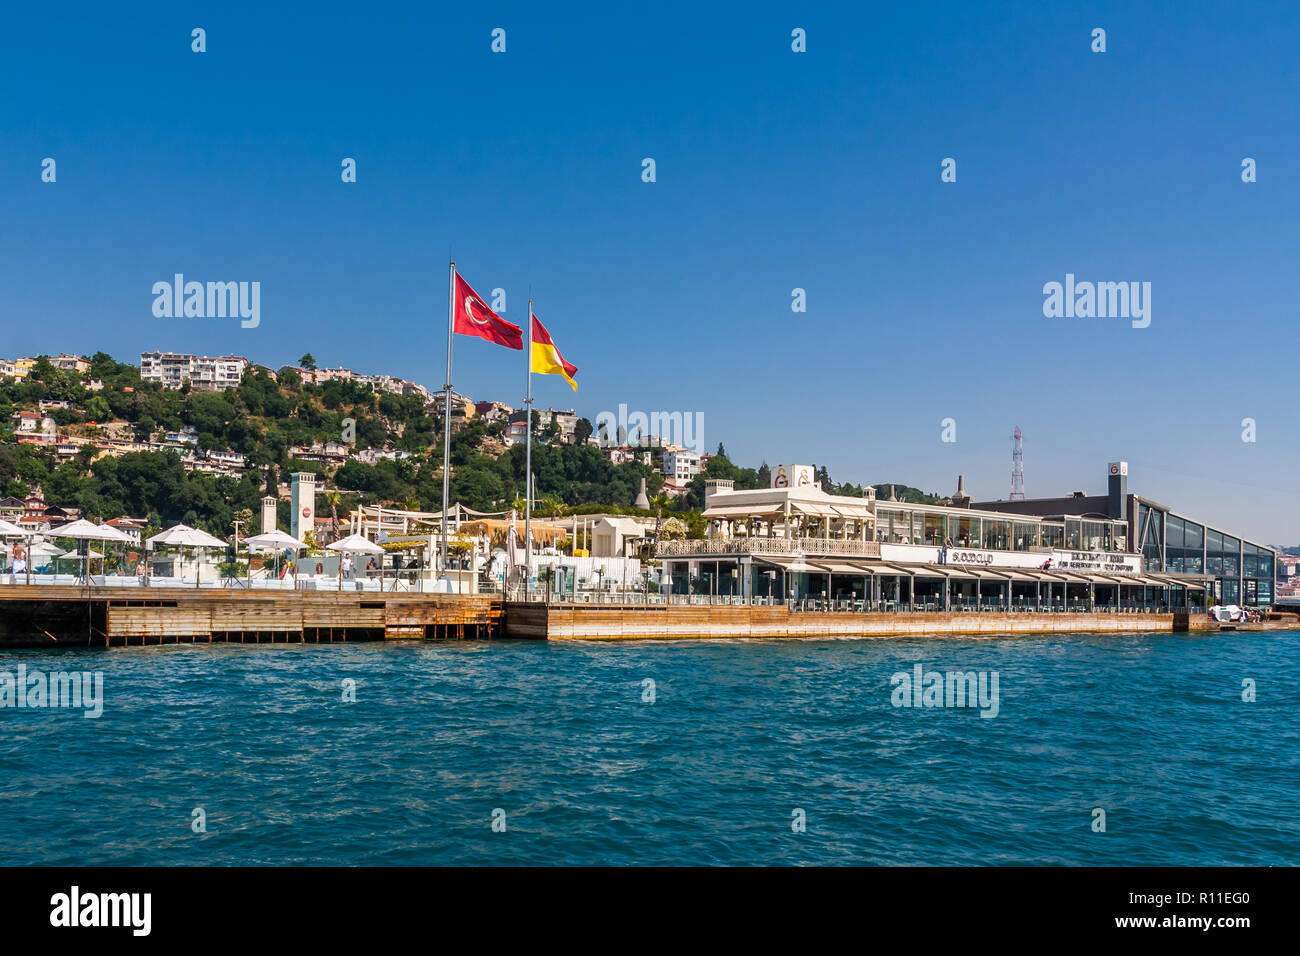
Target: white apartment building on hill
{"points": [[204, 373], [680, 464]]}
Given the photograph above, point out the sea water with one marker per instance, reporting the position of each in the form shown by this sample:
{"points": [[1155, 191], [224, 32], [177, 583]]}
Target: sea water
{"points": [[1145, 749]]}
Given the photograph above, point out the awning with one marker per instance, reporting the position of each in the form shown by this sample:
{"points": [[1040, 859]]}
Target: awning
{"points": [[1110, 578], [742, 511], [843, 567], [935, 571], [1022, 574], [889, 570], [1180, 583], [1068, 577], [846, 512], [988, 574], [836, 567], [1149, 581]]}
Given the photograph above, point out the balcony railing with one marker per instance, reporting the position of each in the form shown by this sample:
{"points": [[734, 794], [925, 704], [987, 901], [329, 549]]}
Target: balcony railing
{"points": [[757, 545]]}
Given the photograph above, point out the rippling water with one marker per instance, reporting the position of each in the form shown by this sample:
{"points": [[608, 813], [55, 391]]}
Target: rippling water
{"points": [[1151, 728]]}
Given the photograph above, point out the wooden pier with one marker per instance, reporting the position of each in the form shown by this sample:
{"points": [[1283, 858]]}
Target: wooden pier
{"points": [[45, 615]]}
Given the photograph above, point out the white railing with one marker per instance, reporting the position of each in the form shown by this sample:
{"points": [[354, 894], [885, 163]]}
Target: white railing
{"points": [[758, 545]]}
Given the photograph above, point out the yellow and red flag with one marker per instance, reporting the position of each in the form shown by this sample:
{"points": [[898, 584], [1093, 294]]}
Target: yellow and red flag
{"points": [[547, 359]]}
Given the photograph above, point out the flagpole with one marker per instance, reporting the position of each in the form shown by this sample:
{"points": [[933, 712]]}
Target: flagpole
{"points": [[446, 415], [528, 457]]}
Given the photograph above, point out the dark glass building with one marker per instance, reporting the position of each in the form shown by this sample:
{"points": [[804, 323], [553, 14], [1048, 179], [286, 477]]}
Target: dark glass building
{"points": [[1225, 567]]}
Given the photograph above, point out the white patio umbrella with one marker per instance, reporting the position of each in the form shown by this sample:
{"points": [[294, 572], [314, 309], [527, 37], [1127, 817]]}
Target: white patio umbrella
{"points": [[271, 540], [41, 549], [183, 536], [45, 549], [83, 530], [74, 553], [354, 544], [275, 541]]}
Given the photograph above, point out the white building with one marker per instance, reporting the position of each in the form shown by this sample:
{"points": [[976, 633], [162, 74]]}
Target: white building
{"points": [[680, 464], [204, 373]]}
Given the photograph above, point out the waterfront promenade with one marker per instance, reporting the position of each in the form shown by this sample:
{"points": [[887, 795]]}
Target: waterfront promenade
{"points": [[45, 615]]}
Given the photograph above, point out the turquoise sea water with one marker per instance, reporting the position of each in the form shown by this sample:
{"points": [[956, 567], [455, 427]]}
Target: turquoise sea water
{"points": [[1150, 728]]}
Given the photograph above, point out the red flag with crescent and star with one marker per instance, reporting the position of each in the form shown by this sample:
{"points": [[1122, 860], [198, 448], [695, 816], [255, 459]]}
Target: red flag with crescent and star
{"points": [[473, 317]]}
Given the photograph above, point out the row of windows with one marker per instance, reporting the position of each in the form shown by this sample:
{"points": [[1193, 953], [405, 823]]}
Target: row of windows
{"points": [[1192, 548], [897, 525]]}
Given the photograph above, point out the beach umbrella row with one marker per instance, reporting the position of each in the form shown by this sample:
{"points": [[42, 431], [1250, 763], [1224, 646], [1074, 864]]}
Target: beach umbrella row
{"points": [[179, 536]]}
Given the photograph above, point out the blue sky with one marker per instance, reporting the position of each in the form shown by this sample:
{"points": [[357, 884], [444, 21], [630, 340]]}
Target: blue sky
{"points": [[775, 170]]}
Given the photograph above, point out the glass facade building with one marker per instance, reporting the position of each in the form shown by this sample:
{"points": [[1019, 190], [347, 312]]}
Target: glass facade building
{"points": [[906, 523], [1243, 572]]}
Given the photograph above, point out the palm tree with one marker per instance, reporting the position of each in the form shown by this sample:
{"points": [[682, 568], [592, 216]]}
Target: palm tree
{"points": [[332, 499], [659, 502], [551, 507]]}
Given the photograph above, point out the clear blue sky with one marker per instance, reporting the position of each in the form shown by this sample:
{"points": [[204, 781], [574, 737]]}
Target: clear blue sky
{"points": [[775, 170]]}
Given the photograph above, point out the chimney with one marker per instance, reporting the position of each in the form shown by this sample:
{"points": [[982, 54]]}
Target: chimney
{"points": [[961, 499]]}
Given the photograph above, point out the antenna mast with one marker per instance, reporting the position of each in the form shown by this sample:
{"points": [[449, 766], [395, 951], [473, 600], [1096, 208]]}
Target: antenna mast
{"points": [[1017, 467]]}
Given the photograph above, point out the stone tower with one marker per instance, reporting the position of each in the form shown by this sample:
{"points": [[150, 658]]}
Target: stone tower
{"points": [[268, 513]]}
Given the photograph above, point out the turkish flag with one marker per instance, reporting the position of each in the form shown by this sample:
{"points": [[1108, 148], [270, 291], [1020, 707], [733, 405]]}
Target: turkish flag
{"points": [[473, 317]]}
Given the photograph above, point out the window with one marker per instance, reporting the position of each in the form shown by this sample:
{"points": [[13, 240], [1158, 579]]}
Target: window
{"points": [[1214, 552], [893, 526], [1149, 537], [1023, 536], [1096, 535], [964, 530], [1231, 557], [935, 529], [997, 534], [1053, 534], [1173, 532]]}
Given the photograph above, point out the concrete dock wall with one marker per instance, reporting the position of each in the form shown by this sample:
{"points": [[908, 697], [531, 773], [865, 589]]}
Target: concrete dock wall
{"points": [[584, 622]]}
